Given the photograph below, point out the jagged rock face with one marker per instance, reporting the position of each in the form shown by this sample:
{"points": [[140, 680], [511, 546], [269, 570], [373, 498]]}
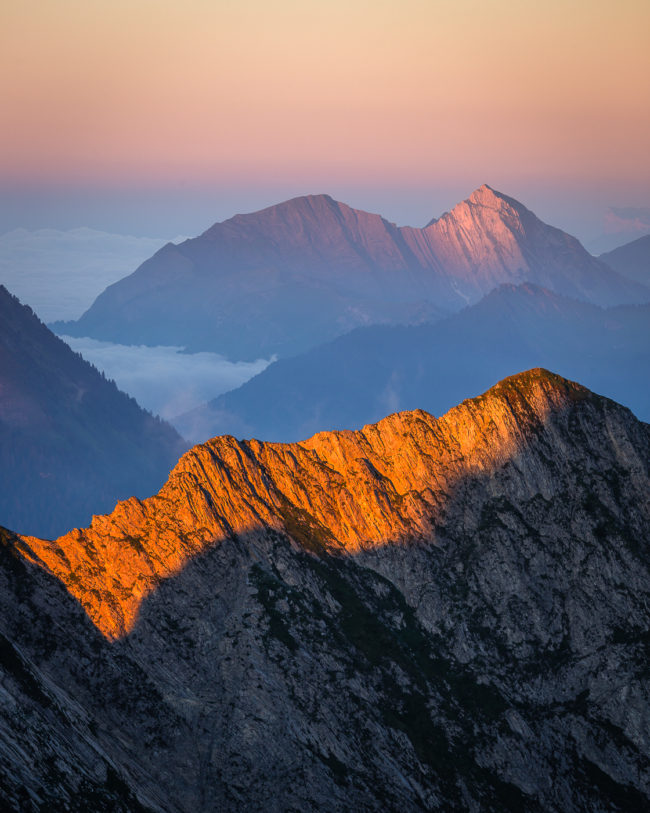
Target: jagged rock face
{"points": [[309, 269], [71, 444], [427, 614], [385, 484], [490, 239]]}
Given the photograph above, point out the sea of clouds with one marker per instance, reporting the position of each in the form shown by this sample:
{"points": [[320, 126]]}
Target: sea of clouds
{"points": [[165, 380], [60, 273]]}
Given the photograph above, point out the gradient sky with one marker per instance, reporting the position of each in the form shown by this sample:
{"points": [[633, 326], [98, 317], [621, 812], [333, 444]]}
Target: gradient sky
{"points": [[142, 115]]}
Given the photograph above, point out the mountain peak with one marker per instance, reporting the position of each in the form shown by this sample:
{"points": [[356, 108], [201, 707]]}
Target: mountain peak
{"points": [[538, 384], [482, 193], [505, 603], [396, 475], [302, 202], [490, 198], [332, 268], [301, 206]]}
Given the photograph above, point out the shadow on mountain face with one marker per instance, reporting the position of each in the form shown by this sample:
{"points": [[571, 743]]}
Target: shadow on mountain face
{"points": [[497, 662]]}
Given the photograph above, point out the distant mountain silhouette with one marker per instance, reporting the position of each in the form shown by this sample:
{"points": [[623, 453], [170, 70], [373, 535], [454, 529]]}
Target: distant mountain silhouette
{"points": [[361, 376], [632, 260], [71, 444], [289, 277]]}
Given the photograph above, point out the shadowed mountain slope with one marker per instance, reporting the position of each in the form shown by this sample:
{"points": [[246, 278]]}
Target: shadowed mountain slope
{"points": [[309, 269], [632, 260], [71, 444], [427, 614], [361, 376]]}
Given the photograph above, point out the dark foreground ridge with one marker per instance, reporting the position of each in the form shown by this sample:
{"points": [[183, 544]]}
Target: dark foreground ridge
{"points": [[426, 614]]}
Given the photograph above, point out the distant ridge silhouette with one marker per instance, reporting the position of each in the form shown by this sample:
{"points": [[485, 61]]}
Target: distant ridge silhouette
{"points": [[358, 377]]}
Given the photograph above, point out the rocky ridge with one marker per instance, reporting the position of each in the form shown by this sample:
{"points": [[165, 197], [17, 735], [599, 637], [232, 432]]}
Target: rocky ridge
{"points": [[424, 614], [347, 491]]}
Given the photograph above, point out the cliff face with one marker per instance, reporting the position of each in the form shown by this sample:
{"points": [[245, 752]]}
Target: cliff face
{"points": [[344, 491], [427, 613], [490, 239], [309, 269]]}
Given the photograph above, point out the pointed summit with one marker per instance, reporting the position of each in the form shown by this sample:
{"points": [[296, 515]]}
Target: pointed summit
{"points": [[484, 195], [490, 198]]}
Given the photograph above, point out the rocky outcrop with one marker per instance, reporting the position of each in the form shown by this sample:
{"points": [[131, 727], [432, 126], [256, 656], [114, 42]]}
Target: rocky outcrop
{"points": [[309, 269], [428, 613]]}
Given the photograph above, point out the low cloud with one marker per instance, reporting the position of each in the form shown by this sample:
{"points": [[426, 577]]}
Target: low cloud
{"points": [[165, 380], [59, 274], [628, 219]]}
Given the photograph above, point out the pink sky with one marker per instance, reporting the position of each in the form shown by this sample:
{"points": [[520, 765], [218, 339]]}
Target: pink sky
{"points": [[309, 96]]}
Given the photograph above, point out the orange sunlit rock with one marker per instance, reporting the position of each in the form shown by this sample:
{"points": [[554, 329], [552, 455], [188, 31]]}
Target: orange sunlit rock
{"points": [[342, 491]]}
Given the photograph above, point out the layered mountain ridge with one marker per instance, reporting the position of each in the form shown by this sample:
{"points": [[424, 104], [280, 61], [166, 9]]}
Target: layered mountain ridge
{"points": [[427, 613], [359, 377], [308, 269]]}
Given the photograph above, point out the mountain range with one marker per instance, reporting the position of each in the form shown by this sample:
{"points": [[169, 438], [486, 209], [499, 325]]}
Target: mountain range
{"points": [[419, 614], [287, 278], [369, 372], [427, 614], [71, 444]]}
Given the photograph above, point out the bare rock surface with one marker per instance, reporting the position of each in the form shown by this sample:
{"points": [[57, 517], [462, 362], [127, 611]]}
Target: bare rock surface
{"points": [[428, 613]]}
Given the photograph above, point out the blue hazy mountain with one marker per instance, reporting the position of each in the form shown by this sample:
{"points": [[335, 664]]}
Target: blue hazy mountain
{"points": [[71, 444], [370, 372], [632, 260]]}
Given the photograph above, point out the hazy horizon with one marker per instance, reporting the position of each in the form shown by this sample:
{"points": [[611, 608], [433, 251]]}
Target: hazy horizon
{"points": [[600, 220], [146, 120]]}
